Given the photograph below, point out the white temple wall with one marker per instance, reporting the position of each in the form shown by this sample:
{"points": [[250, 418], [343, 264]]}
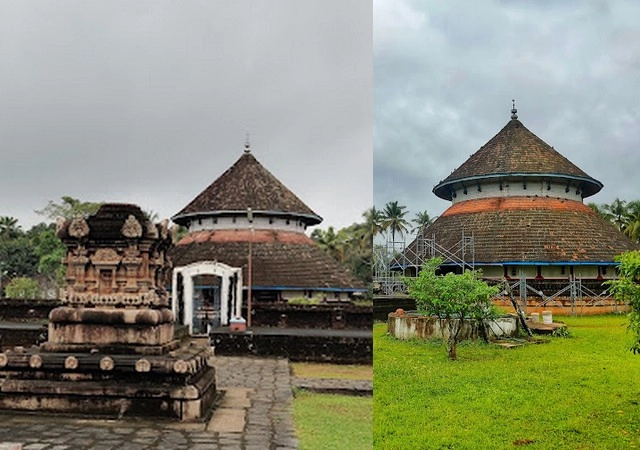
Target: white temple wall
{"points": [[242, 223], [515, 188]]}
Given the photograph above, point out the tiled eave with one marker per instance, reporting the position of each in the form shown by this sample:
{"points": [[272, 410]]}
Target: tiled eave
{"points": [[309, 219], [589, 186]]}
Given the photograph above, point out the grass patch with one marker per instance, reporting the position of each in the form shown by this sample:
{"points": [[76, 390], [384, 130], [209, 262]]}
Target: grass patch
{"points": [[344, 372], [327, 421], [581, 392]]}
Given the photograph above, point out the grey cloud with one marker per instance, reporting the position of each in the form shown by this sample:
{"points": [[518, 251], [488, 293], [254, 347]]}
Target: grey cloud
{"points": [[149, 102]]}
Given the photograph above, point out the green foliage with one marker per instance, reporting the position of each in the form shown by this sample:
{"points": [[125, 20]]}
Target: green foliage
{"points": [[50, 251], [626, 289], [17, 257], [422, 221], [23, 287], [9, 228], [68, 208], [579, 393], [305, 301], [393, 219], [350, 246], [451, 297]]}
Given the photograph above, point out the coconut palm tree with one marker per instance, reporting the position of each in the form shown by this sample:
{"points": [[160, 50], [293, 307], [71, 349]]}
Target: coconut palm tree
{"points": [[422, 221], [9, 228], [374, 220], [617, 212], [394, 220], [632, 228]]}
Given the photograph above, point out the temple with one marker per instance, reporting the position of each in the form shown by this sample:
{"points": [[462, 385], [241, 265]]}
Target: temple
{"points": [[246, 243], [112, 349], [517, 212]]}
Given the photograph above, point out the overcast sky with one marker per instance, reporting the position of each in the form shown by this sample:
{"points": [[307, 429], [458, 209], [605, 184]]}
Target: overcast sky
{"points": [[149, 101], [445, 74]]}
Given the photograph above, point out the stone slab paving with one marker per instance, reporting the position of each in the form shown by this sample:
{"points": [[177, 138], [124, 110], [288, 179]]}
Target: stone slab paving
{"points": [[255, 415]]}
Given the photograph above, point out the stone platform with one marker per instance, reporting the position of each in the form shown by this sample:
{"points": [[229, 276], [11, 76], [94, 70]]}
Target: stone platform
{"points": [[179, 385], [254, 414]]}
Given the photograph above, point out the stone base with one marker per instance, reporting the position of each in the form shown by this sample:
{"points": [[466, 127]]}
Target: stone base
{"points": [[71, 329], [179, 385]]}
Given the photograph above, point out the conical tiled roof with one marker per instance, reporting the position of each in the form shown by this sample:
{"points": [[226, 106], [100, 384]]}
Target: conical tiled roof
{"points": [[247, 184], [517, 151], [527, 229]]}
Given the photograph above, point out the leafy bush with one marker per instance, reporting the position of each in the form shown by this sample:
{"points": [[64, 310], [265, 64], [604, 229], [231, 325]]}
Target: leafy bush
{"points": [[23, 287], [626, 289], [304, 301]]}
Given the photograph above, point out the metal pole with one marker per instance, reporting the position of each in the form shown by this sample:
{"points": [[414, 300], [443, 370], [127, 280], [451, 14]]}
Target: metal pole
{"points": [[249, 268]]}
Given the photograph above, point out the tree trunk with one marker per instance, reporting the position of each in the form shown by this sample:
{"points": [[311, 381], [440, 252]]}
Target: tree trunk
{"points": [[454, 329], [453, 349]]}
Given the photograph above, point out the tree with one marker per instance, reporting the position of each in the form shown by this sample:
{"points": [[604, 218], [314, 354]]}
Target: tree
{"points": [[451, 298], [23, 287], [632, 228], [373, 219], [617, 212], [17, 257], [626, 289], [9, 228], [50, 251], [331, 242], [394, 220], [599, 210], [422, 221], [350, 246], [69, 208]]}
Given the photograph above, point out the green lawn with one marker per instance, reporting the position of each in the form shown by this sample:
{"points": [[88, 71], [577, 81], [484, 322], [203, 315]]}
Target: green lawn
{"points": [[580, 392], [333, 422]]}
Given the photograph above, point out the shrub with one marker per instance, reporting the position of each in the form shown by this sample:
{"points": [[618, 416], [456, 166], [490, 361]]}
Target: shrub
{"points": [[23, 287], [452, 298]]}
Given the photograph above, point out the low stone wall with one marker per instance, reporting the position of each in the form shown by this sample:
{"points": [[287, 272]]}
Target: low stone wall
{"points": [[413, 325], [30, 310], [312, 348], [324, 316], [21, 335], [383, 305], [562, 306]]}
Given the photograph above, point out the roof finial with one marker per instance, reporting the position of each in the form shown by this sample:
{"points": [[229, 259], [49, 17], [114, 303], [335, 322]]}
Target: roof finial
{"points": [[514, 116], [247, 144]]}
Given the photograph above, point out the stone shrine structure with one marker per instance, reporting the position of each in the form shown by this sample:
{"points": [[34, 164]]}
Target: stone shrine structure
{"points": [[111, 348]]}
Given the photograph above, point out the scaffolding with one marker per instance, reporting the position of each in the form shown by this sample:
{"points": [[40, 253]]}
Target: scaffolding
{"points": [[393, 259], [579, 296]]}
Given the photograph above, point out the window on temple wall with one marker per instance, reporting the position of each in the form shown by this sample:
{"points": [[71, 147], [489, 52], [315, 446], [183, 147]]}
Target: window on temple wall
{"points": [[604, 270], [513, 271], [563, 270]]}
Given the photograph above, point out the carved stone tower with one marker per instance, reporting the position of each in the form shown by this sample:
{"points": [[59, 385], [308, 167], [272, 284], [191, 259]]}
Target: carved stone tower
{"points": [[111, 348]]}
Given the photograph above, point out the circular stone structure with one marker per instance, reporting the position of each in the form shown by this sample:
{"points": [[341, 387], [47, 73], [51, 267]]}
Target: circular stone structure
{"points": [[412, 325]]}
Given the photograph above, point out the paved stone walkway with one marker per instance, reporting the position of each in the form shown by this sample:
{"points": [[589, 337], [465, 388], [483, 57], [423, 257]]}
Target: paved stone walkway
{"points": [[254, 414]]}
